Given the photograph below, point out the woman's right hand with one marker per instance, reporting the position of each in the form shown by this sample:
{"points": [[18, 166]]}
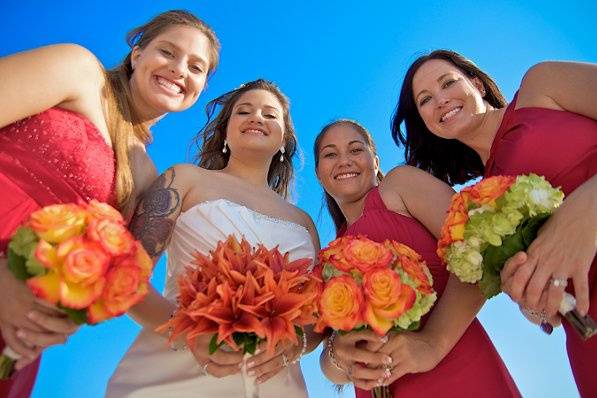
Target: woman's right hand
{"points": [[363, 366], [219, 364]]}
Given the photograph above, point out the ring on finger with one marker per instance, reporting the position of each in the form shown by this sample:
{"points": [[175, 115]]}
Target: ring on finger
{"points": [[204, 366], [559, 282]]}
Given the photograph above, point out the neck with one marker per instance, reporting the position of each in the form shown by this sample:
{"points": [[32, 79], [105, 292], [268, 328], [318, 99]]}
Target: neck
{"points": [[252, 171], [481, 139], [352, 209]]}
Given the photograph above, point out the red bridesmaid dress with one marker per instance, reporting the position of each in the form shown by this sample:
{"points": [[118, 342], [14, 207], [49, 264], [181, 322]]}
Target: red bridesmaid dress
{"points": [[562, 147], [57, 156], [473, 368]]}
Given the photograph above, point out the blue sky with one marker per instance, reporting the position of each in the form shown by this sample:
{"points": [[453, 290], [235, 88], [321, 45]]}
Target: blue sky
{"points": [[333, 59]]}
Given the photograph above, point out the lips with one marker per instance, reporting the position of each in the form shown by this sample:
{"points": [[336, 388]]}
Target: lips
{"points": [[170, 86], [345, 176], [450, 114]]}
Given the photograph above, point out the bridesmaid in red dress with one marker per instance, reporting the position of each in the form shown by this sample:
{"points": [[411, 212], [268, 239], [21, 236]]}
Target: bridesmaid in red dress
{"points": [[70, 131], [457, 126], [451, 355]]}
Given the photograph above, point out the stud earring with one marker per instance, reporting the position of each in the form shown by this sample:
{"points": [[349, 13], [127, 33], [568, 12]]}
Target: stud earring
{"points": [[225, 149], [282, 151]]}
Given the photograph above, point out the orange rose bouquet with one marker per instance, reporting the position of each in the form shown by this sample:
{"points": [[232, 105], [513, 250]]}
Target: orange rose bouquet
{"points": [[82, 259], [492, 220], [242, 296], [383, 286]]}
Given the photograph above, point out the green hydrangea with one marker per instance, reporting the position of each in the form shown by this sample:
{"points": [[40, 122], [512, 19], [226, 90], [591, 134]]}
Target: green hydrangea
{"points": [[465, 260]]}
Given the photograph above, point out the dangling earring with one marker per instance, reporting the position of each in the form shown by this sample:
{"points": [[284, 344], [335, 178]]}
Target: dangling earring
{"points": [[282, 151], [225, 149]]}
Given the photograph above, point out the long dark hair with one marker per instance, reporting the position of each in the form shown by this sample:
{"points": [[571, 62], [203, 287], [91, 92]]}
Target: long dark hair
{"points": [[449, 160], [332, 206], [210, 139]]}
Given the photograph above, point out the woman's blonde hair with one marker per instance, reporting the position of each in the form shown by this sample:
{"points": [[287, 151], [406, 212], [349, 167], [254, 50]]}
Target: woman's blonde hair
{"points": [[123, 122]]}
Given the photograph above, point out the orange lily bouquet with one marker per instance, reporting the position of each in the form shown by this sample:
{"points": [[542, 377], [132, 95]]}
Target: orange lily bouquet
{"points": [[491, 221], [384, 286], [82, 259], [243, 295]]}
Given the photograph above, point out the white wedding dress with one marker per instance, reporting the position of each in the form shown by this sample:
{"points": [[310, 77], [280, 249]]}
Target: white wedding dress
{"points": [[151, 368]]}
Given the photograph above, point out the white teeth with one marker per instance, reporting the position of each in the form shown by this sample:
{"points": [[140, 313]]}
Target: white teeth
{"points": [[345, 176], [254, 131], [169, 85], [451, 113]]}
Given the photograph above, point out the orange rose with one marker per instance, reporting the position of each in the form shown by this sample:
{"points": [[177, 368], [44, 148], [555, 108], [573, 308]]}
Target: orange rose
{"points": [[334, 255], [365, 254], [489, 189], [126, 285], [57, 223], [453, 228], [417, 271], [400, 250], [113, 236], [386, 297], [340, 304], [103, 211]]}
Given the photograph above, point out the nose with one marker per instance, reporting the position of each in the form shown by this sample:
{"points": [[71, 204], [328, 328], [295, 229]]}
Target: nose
{"points": [[177, 68], [256, 117], [441, 100]]}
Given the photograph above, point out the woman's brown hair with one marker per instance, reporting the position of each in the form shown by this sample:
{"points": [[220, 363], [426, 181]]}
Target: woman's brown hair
{"points": [[449, 160], [123, 123]]}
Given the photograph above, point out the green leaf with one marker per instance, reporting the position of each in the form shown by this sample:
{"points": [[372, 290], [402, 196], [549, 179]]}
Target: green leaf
{"points": [[23, 242], [213, 344], [329, 271], [490, 284], [16, 265], [299, 331], [34, 267], [531, 227], [239, 338], [250, 344], [494, 257], [77, 316]]}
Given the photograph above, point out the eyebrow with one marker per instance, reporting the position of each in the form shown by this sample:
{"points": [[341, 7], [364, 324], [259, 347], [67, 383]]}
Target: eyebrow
{"points": [[265, 106], [335, 146], [438, 80], [197, 56]]}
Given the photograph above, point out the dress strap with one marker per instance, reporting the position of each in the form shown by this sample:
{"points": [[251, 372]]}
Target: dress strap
{"points": [[374, 200]]}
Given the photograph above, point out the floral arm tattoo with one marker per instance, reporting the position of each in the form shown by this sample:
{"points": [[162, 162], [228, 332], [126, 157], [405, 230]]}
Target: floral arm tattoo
{"points": [[156, 214]]}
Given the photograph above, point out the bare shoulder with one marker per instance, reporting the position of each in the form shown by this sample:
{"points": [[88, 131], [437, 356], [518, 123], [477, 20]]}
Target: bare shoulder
{"points": [[536, 83], [304, 219]]}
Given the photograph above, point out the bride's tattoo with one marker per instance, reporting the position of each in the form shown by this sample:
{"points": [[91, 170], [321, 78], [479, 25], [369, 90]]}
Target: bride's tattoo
{"points": [[151, 223]]}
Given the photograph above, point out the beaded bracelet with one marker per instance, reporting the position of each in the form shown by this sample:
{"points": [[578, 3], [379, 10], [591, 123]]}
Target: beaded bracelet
{"points": [[332, 354], [303, 349]]}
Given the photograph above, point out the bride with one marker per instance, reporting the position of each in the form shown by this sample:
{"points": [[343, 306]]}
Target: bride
{"points": [[240, 188]]}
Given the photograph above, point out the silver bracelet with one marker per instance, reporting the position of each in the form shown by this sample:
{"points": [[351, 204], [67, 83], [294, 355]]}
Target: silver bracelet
{"points": [[332, 354], [303, 349]]}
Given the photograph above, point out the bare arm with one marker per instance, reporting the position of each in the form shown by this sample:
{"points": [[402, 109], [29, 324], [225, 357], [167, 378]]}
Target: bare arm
{"points": [[36, 80], [569, 86], [427, 199], [153, 223]]}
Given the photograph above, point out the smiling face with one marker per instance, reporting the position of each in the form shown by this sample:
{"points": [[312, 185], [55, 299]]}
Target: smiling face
{"points": [[170, 72], [256, 124], [449, 102], [347, 167]]}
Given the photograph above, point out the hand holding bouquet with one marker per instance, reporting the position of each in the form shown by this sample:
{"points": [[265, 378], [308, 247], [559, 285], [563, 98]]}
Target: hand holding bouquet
{"points": [[491, 221], [242, 296], [80, 258], [382, 286]]}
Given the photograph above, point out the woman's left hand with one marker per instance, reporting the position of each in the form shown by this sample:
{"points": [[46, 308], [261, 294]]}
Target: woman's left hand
{"points": [[266, 365], [411, 352]]}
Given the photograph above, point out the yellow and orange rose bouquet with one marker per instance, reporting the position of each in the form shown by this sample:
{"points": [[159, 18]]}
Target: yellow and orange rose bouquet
{"points": [[383, 286], [492, 220], [242, 296], [80, 258]]}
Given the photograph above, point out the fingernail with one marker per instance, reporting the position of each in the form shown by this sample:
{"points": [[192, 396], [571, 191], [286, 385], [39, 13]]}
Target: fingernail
{"points": [[31, 315], [380, 382], [250, 364], [21, 334], [384, 339], [546, 328], [258, 351], [387, 360]]}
